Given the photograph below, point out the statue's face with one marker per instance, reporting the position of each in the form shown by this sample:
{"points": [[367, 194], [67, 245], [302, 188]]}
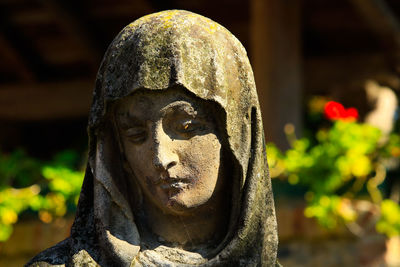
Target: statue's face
{"points": [[172, 147]]}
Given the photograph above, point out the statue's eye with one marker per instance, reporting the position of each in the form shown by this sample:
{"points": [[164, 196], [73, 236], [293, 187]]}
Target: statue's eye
{"points": [[136, 134], [190, 126]]}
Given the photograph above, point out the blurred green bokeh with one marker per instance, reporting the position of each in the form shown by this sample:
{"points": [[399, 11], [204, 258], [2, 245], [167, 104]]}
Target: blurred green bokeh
{"points": [[339, 166], [46, 189]]}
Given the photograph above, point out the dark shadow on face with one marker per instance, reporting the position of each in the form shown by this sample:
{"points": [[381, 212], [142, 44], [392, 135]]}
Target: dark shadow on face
{"points": [[174, 153]]}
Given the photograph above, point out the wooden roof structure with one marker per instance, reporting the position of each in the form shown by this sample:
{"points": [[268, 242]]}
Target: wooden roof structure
{"points": [[50, 49]]}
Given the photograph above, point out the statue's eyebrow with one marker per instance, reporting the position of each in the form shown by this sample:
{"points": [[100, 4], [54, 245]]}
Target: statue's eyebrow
{"points": [[126, 120], [181, 106]]}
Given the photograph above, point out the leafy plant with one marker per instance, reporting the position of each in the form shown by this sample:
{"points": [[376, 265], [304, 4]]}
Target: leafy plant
{"points": [[338, 165], [49, 189]]}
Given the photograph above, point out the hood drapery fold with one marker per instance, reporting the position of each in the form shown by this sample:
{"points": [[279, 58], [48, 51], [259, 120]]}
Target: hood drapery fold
{"points": [[156, 52]]}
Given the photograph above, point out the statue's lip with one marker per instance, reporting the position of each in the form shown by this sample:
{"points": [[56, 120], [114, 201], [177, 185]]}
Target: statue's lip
{"points": [[175, 185], [173, 182], [165, 178]]}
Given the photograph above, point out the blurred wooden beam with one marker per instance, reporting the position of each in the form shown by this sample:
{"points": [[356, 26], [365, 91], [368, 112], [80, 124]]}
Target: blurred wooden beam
{"points": [[63, 50], [23, 53], [379, 17], [13, 59], [384, 23], [275, 50], [130, 9], [77, 28], [32, 16], [324, 73], [41, 101]]}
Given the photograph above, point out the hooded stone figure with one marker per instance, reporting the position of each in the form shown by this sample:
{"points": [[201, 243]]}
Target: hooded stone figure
{"points": [[178, 82]]}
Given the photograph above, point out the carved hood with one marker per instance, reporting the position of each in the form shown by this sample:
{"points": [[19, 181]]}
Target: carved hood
{"points": [[156, 52]]}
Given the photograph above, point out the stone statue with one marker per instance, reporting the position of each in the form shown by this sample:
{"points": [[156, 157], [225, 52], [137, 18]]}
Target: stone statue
{"points": [[177, 172]]}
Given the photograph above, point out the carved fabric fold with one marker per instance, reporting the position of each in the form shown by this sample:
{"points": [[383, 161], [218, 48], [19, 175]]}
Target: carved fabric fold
{"points": [[156, 52]]}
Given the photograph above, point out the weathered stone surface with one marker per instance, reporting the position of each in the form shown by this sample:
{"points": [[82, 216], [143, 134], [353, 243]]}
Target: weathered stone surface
{"points": [[188, 64]]}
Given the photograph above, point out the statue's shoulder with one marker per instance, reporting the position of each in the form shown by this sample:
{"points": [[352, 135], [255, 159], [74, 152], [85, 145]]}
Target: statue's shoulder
{"points": [[57, 255], [61, 255]]}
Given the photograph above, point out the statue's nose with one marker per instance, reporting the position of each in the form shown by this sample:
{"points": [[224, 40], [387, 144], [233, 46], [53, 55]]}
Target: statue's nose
{"points": [[164, 156]]}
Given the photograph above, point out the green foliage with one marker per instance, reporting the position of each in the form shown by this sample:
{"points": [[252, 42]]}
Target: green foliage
{"points": [[49, 189], [345, 151], [18, 170], [389, 222], [338, 165]]}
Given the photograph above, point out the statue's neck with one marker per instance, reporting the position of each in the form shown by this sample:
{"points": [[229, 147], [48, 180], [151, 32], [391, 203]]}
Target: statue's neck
{"points": [[204, 225]]}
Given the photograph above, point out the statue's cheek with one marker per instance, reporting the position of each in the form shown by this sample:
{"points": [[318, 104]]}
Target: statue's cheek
{"points": [[202, 150], [201, 158]]}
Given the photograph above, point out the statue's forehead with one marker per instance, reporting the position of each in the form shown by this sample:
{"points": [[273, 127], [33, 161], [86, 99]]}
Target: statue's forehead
{"points": [[145, 101]]}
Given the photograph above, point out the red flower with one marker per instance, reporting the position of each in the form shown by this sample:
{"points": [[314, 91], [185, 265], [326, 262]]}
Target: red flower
{"points": [[336, 111]]}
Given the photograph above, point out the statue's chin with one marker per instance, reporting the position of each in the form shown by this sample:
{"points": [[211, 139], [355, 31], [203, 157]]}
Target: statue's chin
{"points": [[183, 203], [179, 202]]}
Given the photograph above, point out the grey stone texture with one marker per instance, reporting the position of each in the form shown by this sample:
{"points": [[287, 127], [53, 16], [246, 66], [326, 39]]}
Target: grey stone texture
{"points": [[156, 53]]}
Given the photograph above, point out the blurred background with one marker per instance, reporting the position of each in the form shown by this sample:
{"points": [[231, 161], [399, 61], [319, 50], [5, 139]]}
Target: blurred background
{"points": [[327, 75]]}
